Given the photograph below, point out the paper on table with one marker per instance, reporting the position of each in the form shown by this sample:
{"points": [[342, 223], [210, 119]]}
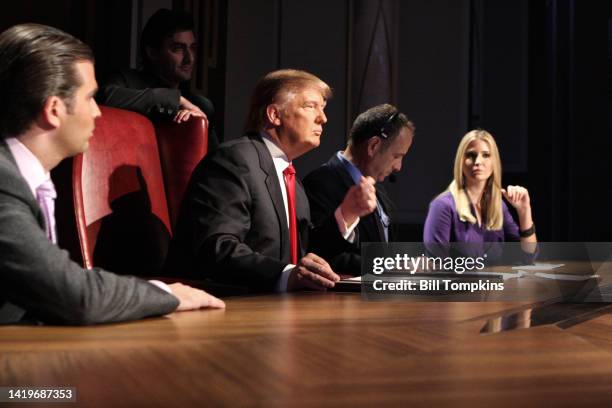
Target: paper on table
{"points": [[560, 276], [503, 275], [538, 267]]}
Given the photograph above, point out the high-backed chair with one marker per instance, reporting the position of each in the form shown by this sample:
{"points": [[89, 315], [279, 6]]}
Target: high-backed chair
{"points": [[181, 147], [120, 198]]}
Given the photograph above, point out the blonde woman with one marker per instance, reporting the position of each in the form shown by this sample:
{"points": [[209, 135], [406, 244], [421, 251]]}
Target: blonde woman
{"points": [[472, 209]]}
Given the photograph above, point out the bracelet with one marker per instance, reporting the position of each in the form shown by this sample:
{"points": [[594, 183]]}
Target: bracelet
{"points": [[528, 232]]}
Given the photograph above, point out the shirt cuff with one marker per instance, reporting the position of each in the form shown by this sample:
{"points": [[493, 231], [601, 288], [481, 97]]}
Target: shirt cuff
{"points": [[348, 232], [163, 286], [281, 284]]}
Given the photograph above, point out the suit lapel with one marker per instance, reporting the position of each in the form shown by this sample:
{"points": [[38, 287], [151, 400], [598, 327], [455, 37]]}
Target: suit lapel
{"points": [[340, 170], [6, 154], [370, 227], [387, 205], [375, 216], [302, 213], [274, 189]]}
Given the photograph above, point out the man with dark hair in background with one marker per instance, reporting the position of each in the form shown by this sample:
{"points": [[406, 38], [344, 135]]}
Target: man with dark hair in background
{"points": [[378, 141], [161, 89], [47, 113], [245, 218]]}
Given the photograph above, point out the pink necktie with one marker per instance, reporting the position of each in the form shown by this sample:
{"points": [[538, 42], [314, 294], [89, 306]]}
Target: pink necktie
{"points": [[45, 195]]}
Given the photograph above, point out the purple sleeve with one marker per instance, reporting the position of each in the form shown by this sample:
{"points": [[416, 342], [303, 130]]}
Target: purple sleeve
{"points": [[438, 223], [511, 230]]}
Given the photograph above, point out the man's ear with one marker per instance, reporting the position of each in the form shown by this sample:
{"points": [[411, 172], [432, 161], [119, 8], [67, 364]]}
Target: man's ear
{"points": [[273, 114], [374, 144], [53, 111]]}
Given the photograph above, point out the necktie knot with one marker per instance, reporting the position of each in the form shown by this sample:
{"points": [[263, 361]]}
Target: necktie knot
{"points": [[289, 171], [46, 190]]}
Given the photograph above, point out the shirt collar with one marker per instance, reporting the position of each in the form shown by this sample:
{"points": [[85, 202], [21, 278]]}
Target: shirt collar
{"points": [[353, 171], [280, 159], [29, 166]]}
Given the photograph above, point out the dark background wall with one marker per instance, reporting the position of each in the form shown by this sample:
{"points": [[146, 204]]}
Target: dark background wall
{"points": [[536, 73], [270, 34]]}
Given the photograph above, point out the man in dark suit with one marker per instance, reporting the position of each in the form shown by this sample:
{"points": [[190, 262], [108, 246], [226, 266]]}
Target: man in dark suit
{"points": [[161, 89], [378, 141], [47, 113], [245, 219]]}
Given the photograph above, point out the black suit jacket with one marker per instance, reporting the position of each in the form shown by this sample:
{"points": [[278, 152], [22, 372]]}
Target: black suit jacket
{"points": [[326, 188], [232, 228], [143, 92], [38, 278]]}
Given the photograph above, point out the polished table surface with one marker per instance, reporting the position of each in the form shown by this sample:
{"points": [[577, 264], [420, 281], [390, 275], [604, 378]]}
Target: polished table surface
{"points": [[317, 349]]}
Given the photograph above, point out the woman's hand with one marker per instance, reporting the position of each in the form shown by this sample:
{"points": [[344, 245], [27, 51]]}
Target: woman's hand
{"points": [[518, 197]]}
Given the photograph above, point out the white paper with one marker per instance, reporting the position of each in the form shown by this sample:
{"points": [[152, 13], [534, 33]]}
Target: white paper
{"points": [[538, 267], [503, 275], [560, 276]]}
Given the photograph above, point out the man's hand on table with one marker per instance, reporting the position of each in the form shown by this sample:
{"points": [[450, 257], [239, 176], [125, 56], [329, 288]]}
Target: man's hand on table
{"points": [[192, 298], [312, 272]]}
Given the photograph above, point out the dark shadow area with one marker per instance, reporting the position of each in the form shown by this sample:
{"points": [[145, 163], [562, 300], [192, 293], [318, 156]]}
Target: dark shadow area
{"points": [[132, 240], [67, 236]]}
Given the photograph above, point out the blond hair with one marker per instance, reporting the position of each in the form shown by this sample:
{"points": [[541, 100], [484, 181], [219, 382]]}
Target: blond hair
{"points": [[491, 202], [275, 87]]}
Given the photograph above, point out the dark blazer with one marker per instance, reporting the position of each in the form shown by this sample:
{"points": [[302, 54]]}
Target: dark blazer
{"points": [[39, 281], [143, 92], [232, 228], [326, 188]]}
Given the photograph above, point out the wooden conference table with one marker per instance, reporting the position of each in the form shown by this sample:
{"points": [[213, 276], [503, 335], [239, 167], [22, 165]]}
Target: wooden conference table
{"points": [[317, 349]]}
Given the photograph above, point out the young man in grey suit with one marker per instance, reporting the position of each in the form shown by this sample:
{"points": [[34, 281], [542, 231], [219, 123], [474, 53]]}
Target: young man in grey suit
{"points": [[245, 219], [47, 113], [378, 141]]}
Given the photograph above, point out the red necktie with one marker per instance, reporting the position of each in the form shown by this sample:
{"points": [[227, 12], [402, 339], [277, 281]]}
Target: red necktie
{"points": [[289, 174]]}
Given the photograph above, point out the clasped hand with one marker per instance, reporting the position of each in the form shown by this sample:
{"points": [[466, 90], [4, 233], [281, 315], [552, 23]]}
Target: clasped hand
{"points": [[360, 200], [518, 197]]}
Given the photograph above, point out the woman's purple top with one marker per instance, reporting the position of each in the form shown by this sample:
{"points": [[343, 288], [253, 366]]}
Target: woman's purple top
{"points": [[443, 226]]}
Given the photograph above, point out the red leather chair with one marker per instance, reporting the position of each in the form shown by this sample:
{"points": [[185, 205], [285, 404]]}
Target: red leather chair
{"points": [[181, 147], [119, 196]]}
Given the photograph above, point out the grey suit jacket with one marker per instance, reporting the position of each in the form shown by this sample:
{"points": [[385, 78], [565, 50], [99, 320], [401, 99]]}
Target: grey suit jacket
{"points": [[39, 280]]}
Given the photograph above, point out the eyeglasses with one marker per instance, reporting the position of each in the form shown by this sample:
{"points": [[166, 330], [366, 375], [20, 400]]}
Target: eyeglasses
{"points": [[384, 130]]}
